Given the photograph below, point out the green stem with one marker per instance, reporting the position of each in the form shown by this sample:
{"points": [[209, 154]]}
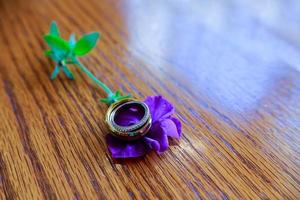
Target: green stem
{"points": [[98, 82]]}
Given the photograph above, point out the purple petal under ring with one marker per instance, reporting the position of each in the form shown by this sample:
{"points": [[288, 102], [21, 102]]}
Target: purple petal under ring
{"points": [[134, 130]]}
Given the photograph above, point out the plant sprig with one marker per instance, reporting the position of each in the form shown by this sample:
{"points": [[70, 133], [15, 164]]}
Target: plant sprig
{"points": [[64, 53]]}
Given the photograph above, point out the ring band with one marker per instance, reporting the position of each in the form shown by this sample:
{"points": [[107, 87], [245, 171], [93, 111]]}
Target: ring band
{"points": [[131, 132]]}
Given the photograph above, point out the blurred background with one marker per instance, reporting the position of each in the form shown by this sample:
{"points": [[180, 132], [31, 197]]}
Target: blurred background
{"points": [[236, 52]]}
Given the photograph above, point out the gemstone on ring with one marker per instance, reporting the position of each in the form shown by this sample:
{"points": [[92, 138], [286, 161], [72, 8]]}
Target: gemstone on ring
{"points": [[134, 129]]}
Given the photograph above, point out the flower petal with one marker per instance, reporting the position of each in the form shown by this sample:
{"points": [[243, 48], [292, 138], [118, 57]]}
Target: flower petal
{"points": [[159, 107], [125, 149], [158, 134], [153, 144], [178, 125], [172, 127]]}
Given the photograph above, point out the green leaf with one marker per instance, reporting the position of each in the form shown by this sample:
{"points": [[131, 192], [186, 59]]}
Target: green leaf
{"points": [[55, 72], [48, 53], [86, 43], [114, 98], [59, 46], [72, 40], [118, 94], [106, 101], [54, 29], [56, 43], [51, 54], [67, 72]]}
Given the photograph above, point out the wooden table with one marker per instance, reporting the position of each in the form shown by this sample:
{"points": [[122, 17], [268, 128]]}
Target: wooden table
{"points": [[231, 68]]}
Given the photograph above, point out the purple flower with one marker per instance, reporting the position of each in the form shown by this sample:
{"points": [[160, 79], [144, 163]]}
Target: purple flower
{"points": [[163, 126]]}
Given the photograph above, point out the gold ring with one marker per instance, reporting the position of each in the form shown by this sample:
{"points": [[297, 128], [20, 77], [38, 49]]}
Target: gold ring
{"points": [[130, 132]]}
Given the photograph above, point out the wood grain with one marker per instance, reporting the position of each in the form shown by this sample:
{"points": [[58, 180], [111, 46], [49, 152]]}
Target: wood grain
{"points": [[231, 69]]}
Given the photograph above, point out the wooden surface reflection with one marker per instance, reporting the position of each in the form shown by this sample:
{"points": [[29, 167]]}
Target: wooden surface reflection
{"points": [[231, 69]]}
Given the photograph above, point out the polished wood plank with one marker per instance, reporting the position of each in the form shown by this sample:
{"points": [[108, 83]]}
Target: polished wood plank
{"points": [[231, 68]]}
